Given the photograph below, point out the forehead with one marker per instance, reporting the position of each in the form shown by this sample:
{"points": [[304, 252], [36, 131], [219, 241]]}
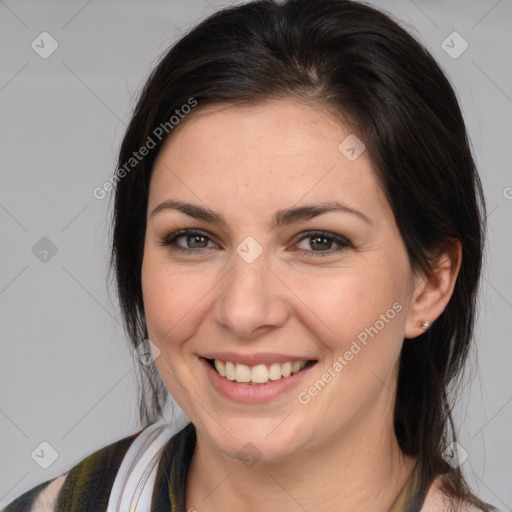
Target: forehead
{"points": [[282, 151]]}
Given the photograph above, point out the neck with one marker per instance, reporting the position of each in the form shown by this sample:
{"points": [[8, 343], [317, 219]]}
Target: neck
{"points": [[361, 468]]}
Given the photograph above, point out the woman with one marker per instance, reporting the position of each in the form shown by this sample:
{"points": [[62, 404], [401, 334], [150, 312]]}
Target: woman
{"points": [[298, 229]]}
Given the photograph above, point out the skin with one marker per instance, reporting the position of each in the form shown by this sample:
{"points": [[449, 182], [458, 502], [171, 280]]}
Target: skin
{"points": [[339, 451]]}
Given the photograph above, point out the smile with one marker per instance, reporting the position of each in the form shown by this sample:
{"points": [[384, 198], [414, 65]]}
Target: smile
{"points": [[259, 382], [258, 374]]}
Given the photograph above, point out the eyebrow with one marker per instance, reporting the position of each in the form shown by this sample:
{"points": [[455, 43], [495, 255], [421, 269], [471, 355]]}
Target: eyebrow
{"points": [[280, 218]]}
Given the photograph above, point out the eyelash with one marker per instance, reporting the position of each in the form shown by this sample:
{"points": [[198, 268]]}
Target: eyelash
{"points": [[170, 239]]}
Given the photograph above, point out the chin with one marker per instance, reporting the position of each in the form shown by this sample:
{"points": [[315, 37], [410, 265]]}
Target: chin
{"points": [[251, 440]]}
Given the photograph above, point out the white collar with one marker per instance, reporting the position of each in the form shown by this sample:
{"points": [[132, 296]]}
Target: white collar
{"points": [[133, 487]]}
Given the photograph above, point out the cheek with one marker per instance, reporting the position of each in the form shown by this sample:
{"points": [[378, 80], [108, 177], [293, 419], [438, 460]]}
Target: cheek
{"points": [[345, 303], [365, 316], [174, 301]]}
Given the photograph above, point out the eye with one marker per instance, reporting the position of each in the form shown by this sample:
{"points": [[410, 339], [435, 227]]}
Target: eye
{"points": [[311, 243], [322, 243], [187, 240]]}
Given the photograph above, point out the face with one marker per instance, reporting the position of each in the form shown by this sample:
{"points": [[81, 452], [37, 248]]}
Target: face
{"points": [[269, 249]]}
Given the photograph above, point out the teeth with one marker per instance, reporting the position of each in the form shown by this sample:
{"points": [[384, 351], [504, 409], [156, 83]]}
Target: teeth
{"points": [[219, 366], [274, 371], [286, 369], [259, 374], [242, 373], [296, 366], [230, 370]]}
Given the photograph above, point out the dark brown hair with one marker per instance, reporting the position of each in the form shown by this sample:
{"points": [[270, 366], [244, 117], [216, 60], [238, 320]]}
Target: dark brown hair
{"points": [[361, 65]]}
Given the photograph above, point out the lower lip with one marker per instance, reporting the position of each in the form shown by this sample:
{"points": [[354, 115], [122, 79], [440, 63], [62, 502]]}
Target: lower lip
{"points": [[249, 393]]}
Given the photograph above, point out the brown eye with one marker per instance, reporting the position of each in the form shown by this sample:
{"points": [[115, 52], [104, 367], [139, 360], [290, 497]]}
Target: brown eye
{"points": [[187, 240], [195, 241], [322, 243]]}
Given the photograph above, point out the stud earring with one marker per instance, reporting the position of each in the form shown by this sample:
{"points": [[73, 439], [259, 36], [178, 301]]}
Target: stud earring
{"points": [[424, 324]]}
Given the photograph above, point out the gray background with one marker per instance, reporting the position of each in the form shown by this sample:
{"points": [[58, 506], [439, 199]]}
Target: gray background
{"points": [[66, 376]]}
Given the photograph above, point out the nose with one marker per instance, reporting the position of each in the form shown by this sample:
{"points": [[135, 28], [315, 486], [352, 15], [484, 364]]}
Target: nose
{"points": [[251, 300]]}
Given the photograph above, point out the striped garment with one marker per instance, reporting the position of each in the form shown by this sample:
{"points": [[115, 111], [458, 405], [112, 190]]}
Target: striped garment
{"points": [[122, 476]]}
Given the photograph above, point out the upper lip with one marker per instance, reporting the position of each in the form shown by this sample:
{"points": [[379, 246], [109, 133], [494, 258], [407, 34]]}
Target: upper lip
{"points": [[254, 359]]}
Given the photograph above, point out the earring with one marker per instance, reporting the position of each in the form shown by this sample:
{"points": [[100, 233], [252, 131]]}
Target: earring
{"points": [[424, 324]]}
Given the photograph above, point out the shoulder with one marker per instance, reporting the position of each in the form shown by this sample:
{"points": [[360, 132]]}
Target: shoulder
{"points": [[47, 498], [41, 498], [437, 501], [92, 476]]}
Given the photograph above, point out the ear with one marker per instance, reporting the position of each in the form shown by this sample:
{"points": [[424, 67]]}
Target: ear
{"points": [[432, 293]]}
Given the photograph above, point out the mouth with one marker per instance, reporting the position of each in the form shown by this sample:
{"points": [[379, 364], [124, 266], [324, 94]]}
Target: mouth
{"points": [[260, 374]]}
